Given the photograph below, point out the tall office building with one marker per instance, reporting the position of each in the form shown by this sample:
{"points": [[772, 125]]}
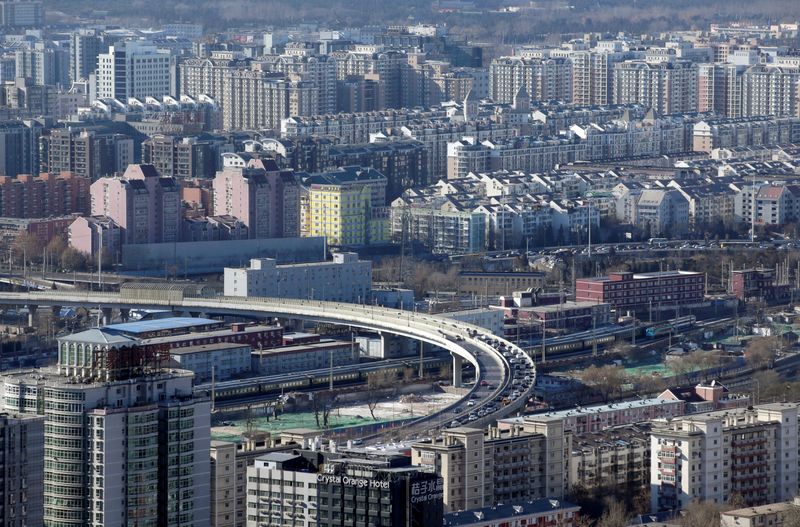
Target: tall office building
{"points": [[133, 69], [21, 470], [85, 48], [125, 442], [146, 206]]}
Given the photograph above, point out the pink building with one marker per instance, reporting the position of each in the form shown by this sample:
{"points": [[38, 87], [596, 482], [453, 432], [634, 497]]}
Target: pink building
{"points": [[88, 234], [259, 194], [145, 206]]}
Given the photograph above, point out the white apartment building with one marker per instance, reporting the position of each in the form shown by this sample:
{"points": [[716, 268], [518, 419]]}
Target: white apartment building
{"points": [[133, 69], [667, 87], [344, 279], [483, 468], [751, 452]]}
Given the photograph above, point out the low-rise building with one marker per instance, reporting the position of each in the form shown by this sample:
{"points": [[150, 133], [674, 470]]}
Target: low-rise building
{"points": [[322, 353], [220, 360], [770, 515], [762, 284], [344, 279], [487, 284], [538, 513], [627, 290], [592, 419]]}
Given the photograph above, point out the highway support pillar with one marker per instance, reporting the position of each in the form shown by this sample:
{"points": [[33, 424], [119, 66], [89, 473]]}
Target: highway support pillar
{"points": [[108, 316], [457, 361], [32, 315]]}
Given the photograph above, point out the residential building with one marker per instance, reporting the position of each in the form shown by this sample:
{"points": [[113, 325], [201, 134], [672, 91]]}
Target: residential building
{"points": [[769, 89], [89, 153], [627, 290], [750, 452], [259, 194], [255, 99], [145, 205], [667, 87], [593, 419], [91, 234], [43, 196], [528, 513], [486, 468], [85, 46], [705, 397], [615, 458], [568, 315], [544, 79], [344, 279], [347, 205], [133, 69], [21, 470], [300, 61], [43, 64], [772, 514], [771, 203], [753, 131], [182, 157], [105, 406], [661, 212], [442, 228], [206, 76], [19, 150], [219, 361]]}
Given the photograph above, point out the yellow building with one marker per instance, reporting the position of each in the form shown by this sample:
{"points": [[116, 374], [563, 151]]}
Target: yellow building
{"points": [[348, 206]]}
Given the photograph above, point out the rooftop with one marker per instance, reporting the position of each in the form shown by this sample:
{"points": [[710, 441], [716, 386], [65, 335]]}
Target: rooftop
{"points": [[612, 407], [160, 324], [486, 515]]}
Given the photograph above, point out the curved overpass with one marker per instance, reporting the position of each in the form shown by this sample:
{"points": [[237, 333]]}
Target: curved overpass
{"points": [[490, 355]]}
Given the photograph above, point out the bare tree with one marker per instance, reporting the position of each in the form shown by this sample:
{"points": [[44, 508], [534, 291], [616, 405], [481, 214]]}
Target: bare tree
{"points": [[701, 514], [376, 382], [614, 515], [607, 380], [761, 351]]}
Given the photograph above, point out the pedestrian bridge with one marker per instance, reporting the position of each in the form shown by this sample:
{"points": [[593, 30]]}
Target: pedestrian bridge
{"points": [[465, 342]]}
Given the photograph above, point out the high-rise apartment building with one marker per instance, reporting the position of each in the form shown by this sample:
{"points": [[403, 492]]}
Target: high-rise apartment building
{"points": [[265, 198], [305, 64], [181, 157], [43, 64], [85, 48], [719, 89], [86, 152], [133, 69], [770, 90], [146, 206], [544, 79], [256, 99], [667, 87], [19, 150], [346, 205], [21, 470], [484, 468], [749, 452], [125, 442], [42, 196], [205, 76]]}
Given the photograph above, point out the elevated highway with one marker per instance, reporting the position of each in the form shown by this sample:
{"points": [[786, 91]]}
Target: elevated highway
{"points": [[497, 362]]}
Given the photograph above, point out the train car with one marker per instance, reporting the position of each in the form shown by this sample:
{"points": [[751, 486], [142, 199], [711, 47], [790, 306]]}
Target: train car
{"points": [[678, 324]]}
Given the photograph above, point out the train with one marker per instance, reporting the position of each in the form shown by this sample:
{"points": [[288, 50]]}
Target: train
{"points": [[672, 326], [342, 376], [583, 340]]}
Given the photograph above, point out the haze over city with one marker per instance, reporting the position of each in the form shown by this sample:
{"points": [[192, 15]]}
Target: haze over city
{"points": [[446, 263]]}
